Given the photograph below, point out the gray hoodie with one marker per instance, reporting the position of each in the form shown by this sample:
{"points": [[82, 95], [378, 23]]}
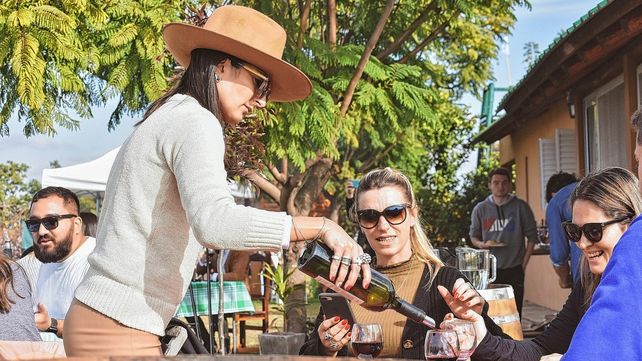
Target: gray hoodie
{"points": [[509, 223]]}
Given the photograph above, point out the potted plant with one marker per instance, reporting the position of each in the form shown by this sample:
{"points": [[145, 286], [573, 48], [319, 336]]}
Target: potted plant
{"points": [[281, 341]]}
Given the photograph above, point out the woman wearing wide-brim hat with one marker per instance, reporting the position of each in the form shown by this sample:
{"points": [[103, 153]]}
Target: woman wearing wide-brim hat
{"points": [[168, 196]]}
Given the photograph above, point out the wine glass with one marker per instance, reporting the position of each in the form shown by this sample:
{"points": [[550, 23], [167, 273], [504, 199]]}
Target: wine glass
{"points": [[465, 334], [441, 345], [366, 340]]}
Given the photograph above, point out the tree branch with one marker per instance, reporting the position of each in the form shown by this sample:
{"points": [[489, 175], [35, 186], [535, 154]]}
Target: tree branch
{"points": [[428, 39], [332, 23], [263, 184], [280, 177], [391, 48], [372, 42], [305, 16]]}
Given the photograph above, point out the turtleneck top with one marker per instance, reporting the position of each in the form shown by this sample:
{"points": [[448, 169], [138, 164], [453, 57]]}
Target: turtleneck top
{"points": [[405, 276]]}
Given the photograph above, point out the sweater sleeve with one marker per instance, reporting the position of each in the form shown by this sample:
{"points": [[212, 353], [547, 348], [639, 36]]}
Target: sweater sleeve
{"points": [[194, 150], [475, 223], [529, 225]]}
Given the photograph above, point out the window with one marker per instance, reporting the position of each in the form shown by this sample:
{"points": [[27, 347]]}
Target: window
{"points": [[558, 154], [605, 124]]}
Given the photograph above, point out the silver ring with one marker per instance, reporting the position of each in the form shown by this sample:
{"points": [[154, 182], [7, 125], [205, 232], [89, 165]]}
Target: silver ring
{"points": [[334, 345], [327, 336], [363, 259], [346, 261], [336, 258]]}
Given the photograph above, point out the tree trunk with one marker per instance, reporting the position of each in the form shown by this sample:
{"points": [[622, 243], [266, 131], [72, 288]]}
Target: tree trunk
{"points": [[332, 23]]}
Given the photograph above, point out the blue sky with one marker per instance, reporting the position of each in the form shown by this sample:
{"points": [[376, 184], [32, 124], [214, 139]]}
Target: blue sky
{"points": [[92, 140]]}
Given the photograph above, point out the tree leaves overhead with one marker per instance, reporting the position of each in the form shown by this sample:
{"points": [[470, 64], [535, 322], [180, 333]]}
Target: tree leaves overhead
{"points": [[63, 57]]}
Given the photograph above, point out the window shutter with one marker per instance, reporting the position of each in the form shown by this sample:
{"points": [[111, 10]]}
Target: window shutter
{"points": [[548, 164], [566, 150]]}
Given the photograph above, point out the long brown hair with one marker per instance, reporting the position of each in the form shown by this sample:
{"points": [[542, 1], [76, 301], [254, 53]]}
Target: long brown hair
{"points": [[6, 281], [615, 191], [197, 81], [387, 177]]}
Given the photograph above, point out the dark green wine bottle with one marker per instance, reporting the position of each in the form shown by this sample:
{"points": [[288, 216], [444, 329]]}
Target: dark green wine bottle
{"points": [[380, 295]]}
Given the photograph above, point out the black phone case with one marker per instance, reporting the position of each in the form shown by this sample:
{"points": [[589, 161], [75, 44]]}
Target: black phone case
{"points": [[333, 304]]}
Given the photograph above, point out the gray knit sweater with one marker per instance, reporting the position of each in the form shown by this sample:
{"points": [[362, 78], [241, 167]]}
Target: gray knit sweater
{"points": [[167, 196]]}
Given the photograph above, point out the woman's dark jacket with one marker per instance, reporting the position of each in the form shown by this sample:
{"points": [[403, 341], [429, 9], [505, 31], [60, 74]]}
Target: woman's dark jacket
{"points": [[555, 339], [413, 335]]}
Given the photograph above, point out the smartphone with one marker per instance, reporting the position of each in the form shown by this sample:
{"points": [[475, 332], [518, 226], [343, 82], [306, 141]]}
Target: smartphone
{"points": [[333, 304]]}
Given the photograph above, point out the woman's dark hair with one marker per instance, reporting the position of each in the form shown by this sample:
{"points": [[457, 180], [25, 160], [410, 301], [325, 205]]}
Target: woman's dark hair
{"points": [[615, 191], [89, 223], [6, 281], [197, 81]]}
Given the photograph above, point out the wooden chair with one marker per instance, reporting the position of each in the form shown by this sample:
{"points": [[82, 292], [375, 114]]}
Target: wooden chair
{"points": [[258, 291]]}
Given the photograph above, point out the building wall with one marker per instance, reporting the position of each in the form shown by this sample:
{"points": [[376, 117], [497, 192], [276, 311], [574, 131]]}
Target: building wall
{"points": [[541, 285]]}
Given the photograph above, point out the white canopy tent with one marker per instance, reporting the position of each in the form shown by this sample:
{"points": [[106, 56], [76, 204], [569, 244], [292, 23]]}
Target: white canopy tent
{"points": [[91, 177]]}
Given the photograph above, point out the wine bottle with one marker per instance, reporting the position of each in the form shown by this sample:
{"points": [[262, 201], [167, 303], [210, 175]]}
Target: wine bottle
{"points": [[380, 295]]}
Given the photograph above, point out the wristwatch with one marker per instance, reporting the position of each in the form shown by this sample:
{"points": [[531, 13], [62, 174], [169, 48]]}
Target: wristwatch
{"points": [[54, 326]]}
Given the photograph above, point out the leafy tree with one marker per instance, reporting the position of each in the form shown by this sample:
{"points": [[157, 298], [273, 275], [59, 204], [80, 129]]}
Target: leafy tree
{"points": [[387, 77], [531, 53], [58, 58], [15, 195], [449, 211]]}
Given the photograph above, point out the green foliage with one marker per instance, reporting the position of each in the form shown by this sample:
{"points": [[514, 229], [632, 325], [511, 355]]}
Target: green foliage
{"points": [[531, 53], [87, 203], [15, 193], [281, 286], [446, 212]]}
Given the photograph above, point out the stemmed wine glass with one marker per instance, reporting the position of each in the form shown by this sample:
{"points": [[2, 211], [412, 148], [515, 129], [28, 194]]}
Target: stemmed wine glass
{"points": [[366, 340], [441, 345], [465, 334]]}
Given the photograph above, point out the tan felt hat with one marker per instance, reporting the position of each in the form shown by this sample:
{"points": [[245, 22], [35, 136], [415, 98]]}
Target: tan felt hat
{"points": [[248, 35]]}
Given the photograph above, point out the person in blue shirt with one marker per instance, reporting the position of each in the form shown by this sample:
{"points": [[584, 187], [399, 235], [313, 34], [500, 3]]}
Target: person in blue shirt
{"points": [[558, 189], [612, 326]]}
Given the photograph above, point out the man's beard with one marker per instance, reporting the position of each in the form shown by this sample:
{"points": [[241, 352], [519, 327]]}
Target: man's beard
{"points": [[61, 249]]}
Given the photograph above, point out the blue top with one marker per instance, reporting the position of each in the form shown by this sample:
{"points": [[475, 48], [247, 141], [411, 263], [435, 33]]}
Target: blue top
{"points": [[559, 210], [611, 328]]}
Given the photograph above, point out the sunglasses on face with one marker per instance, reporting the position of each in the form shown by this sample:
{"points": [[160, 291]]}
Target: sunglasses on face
{"points": [[395, 214], [592, 231], [51, 222], [262, 84]]}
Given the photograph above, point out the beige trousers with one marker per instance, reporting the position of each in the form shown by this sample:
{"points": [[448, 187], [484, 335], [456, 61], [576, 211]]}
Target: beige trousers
{"points": [[90, 333]]}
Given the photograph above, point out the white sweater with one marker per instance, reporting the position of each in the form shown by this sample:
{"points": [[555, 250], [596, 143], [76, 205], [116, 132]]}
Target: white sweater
{"points": [[167, 192]]}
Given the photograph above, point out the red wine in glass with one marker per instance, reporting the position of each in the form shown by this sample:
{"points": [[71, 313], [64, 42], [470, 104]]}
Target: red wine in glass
{"points": [[372, 349]]}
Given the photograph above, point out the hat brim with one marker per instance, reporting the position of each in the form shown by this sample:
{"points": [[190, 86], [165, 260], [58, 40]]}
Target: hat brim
{"points": [[288, 82]]}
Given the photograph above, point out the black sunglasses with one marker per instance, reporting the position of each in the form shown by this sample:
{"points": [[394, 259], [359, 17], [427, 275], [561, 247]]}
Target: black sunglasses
{"points": [[395, 214], [262, 83], [592, 231], [51, 222]]}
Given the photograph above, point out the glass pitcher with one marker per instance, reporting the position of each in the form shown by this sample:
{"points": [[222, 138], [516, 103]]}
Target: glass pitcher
{"points": [[478, 265]]}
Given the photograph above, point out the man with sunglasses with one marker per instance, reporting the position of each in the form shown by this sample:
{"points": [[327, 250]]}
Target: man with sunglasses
{"points": [[500, 223], [62, 248]]}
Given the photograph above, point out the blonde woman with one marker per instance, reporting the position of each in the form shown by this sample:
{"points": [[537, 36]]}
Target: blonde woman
{"points": [[386, 210]]}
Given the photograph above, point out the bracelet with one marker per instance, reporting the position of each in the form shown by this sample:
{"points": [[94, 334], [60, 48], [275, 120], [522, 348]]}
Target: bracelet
{"points": [[321, 230], [297, 233]]}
